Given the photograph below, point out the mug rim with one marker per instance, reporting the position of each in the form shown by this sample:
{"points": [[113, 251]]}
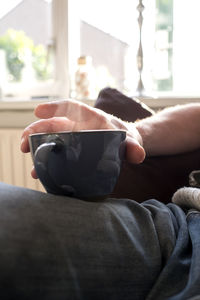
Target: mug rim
{"points": [[80, 131]]}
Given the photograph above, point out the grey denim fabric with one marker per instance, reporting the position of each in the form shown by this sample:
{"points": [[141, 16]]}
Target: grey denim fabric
{"points": [[54, 247]]}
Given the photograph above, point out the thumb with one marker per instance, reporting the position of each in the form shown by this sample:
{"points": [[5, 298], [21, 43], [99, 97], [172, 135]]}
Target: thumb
{"points": [[135, 153]]}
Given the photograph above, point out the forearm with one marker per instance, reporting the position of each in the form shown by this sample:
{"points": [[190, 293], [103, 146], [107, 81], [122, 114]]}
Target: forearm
{"points": [[171, 131]]}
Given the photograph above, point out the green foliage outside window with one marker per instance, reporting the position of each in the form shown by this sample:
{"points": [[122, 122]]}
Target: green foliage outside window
{"points": [[15, 44], [164, 21], [41, 63]]}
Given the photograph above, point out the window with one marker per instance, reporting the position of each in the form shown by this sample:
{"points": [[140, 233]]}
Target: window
{"points": [[25, 46], [109, 33], [51, 35], [29, 32]]}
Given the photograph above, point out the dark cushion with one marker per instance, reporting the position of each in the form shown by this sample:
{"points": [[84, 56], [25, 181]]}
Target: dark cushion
{"points": [[156, 177], [114, 102]]}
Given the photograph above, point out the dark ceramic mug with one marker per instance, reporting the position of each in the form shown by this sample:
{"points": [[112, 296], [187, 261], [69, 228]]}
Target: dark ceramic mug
{"points": [[82, 164]]}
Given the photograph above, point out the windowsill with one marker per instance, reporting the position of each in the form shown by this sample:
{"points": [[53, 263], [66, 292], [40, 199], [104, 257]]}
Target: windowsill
{"points": [[153, 102], [166, 101], [15, 104], [16, 113], [26, 104]]}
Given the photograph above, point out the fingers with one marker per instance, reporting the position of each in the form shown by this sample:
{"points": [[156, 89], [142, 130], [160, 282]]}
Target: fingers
{"points": [[135, 153], [74, 110], [70, 115], [83, 116], [44, 126], [33, 173]]}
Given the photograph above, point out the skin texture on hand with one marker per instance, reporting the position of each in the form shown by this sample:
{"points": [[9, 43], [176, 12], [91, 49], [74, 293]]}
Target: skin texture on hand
{"points": [[70, 115], [173, 130]]}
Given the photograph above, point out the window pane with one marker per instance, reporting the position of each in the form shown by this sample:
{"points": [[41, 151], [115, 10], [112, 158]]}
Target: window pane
{"points": [[186, 47], [177, 47], [109, 34], [162, 69], [25, 46]]}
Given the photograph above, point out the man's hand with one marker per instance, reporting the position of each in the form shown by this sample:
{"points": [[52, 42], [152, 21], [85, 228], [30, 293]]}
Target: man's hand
{"points": [[70, 115]]}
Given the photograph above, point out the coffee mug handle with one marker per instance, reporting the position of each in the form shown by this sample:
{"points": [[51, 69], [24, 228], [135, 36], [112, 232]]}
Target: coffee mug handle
{"points": [[40, 161], [42, 151]]}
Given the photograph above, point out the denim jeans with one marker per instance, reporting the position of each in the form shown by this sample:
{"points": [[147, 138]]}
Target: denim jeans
{"points": [[54, 247]]}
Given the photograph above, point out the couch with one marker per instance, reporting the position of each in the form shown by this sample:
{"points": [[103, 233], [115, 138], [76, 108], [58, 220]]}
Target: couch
{"points": [[157, 177]]}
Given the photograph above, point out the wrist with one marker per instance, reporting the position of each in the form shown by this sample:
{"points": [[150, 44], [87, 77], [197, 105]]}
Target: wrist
{"points": [[130, 128]]}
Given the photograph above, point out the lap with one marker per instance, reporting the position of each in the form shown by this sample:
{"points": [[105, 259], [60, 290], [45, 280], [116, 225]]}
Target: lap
{"points": [[54, 247]]}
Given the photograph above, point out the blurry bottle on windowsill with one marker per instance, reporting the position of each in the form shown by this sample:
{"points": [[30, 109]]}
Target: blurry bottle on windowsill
{"points": [[84, 79]]}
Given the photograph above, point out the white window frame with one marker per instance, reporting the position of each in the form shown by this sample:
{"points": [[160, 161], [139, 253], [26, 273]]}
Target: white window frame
{"points": [[59, 86], [66, 43]]}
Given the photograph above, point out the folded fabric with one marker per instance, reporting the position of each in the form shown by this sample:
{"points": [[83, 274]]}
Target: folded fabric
{"points": [[187, 197], [114, 102]]}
